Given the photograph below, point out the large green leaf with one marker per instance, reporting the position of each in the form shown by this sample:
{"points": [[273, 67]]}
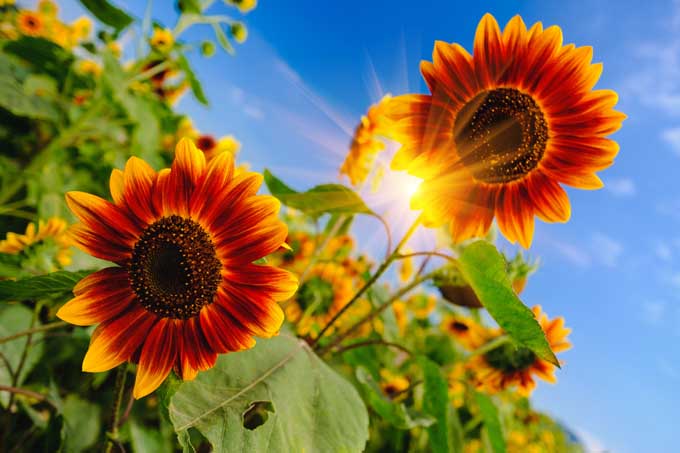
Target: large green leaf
{"points": [[107, 13], [322, 199], [492, 423], [436, 404], [82, 422], [484, 268], [392, 412], [14, 319], [43, 56], [14, 99], [49, 286], [314, 409]]}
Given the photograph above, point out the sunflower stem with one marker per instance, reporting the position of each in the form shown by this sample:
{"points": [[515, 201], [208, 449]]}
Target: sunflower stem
{"points": [[491, 345], [118, 390], [399, 294], [42, 328], [378, 273]]}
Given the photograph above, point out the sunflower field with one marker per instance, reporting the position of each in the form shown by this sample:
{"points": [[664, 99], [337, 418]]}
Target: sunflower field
{"points": [[156, 295]]}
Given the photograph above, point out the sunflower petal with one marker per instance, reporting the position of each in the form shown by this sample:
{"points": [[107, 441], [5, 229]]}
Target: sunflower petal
{"points": [[159, 354]]}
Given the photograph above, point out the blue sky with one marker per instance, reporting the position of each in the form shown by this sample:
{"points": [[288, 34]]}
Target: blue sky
{"points": [[297, 87]]}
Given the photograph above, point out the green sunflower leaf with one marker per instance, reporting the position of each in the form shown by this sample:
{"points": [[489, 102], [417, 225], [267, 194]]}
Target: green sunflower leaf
{"points": [[50, 286], [108, 14], [82, 423], [436, 404], [321, 199], [194, 83], [312, 407], [485, 270], [492, 423]]}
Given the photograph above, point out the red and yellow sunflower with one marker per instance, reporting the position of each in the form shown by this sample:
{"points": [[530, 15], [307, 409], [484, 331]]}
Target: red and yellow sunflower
{"points": [[509, 366], [184, 287], [503, 128], [30, 23], [467, 332]]}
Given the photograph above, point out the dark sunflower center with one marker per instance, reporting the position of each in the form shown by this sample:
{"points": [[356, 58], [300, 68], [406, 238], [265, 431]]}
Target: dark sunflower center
{"points": [[501, 135], [174, 269], [206, 142], [509, 359], [458, 326], [390, 390], [315, 294]]}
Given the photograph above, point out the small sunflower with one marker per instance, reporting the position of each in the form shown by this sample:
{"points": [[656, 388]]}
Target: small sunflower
{"points": [[162, 39], [30, 23], [365, 144], [508, 366], [393, 385], [185, 287], [243, 5], [81, 28], [465, 331], [55, 229], [400, 315], [211, 147], [503, 128], [89, 67], [421, 305], [327, 289]]}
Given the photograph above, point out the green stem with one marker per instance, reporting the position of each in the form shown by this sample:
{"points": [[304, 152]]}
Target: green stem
{"points": [[398, 295], [491, 345], [118, 390], [42, 328], [362, 344], [378, 273]]}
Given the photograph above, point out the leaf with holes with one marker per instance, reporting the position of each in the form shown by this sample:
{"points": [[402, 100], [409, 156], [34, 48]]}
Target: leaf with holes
{"points": [[301, 403], [484, 268]]}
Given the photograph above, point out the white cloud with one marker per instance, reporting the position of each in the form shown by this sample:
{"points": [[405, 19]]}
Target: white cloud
{"points": [[572, 253], [624, 187], [653, 312], [591, 444], [607, 249], [672, 137], [663, 252]]}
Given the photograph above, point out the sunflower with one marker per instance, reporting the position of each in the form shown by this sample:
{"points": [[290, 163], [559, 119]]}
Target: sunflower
{"points": [[393, 385], [365, 144], [406, 267], [467, 332], [81, 28], [162, 39], [185, 287], [55, 229], [508, 366], [421, 305], [328, 288], [212, 147], [400, 316], [30, 23], [503, 128], [89, 67], [243, 5], [456, 385]]}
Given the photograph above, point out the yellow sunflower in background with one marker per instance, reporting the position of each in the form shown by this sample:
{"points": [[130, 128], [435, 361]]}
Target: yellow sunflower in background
{"points": [[456, 384], [185, 287], [54, 229], [30, 23], [507, 366], [162, 39], [467, 332], [503, 128], [327, 289], [421, 305], [393, 385], [211, 147], [365, 144]]}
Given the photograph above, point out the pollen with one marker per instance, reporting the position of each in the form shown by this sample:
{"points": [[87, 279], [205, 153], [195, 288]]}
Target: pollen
{"points": [[174, 270], [500, 135]]}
